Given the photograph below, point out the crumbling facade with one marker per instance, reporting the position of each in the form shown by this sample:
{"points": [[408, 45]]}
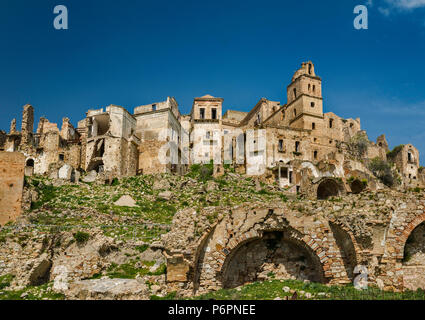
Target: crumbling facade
{"points": [[295, 145], [109, 143], [162, 136]]}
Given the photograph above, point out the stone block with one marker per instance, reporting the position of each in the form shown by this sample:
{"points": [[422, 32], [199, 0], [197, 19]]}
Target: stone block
{"points": [[65, 172]]}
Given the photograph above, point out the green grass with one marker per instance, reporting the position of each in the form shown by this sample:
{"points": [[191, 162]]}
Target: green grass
{"points": [[270, 290], [47, 193], [5, 280], [42, 292], [202, 172], [130, 271], [142, 248], [66, 206]]}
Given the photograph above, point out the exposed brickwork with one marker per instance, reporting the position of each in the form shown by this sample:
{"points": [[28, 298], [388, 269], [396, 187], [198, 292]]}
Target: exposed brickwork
{"points": [[377, 242]]}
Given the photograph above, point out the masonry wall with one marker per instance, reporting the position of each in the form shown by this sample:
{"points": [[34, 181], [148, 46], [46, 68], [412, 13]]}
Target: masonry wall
{"points": [[12, 166], [383, 234], [148, 160]]}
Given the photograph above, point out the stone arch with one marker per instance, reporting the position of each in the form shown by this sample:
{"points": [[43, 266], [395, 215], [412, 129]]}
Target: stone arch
{"points": [[215, 248], [328, 187], [357, 186], [402, 238], [414, 248], [29, 166], [347, 245], [199, 257], [29, 162], [314, 255], [407, 244]]}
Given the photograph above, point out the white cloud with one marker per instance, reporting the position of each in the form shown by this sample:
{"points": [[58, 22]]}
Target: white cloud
{"points": [[384, 11], [406, 4], [402, 109], [394, 6]]}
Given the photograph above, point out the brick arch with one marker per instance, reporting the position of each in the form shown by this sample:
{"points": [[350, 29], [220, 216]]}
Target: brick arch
{"points": [[318, 253], [350, 234], [329, 186], [401, 239], [350, 252]]}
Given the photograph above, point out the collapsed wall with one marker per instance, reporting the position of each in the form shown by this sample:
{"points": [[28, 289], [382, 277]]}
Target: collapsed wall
{"points": [[320, 241]]}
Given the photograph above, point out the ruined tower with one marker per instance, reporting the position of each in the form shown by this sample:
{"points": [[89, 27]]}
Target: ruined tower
{"points": [[13, 126], [305, 102], [27, 124], [40, 127]]}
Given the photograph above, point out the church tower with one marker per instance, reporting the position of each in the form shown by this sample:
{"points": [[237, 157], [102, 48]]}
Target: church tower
{"points": [[305, 103]]}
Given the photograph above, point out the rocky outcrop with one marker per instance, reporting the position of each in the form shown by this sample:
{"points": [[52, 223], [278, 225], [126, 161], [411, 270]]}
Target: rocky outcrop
{"points": [[109, 289]]}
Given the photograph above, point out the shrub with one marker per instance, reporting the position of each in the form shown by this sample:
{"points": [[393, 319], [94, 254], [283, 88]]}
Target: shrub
{"points": [[81, 237], [264, 192], [162, 269], [382, 170], [283, 197], [206, 172], [202, 172], [5, 281], [228, 168], [35, 182], [47, 193], [142, 248], [392, 154], [359, 145]]}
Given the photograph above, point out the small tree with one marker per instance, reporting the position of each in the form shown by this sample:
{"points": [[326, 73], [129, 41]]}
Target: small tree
{"points": [[382, 170], [392, 154], [359, 145]]}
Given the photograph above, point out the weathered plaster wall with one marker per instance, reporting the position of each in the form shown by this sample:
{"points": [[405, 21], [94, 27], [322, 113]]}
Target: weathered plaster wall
{"points": [[11, 185]]}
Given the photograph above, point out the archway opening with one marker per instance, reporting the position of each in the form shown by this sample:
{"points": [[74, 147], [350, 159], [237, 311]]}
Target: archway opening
{"points": [[273, 256], [414, 249], [357, 186], [346, 249], [414, 259], [96, 165], [30, 163], [327, 188]]}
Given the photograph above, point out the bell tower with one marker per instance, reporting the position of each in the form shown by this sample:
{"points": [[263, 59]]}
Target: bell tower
{"points": [[305, 102]]}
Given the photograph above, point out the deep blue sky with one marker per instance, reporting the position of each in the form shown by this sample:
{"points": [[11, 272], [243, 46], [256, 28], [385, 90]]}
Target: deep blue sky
{"points": [[137, 52]]}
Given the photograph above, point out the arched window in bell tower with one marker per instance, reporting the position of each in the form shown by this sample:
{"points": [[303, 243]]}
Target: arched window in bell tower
{"points": [[295, 93]]}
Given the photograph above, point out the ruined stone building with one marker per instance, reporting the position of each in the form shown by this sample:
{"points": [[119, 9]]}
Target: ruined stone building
{"points": [[295, 144], [294, 147]]}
